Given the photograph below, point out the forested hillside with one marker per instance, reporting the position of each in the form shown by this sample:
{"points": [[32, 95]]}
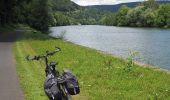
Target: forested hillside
{"points": [[63, 5], [147, 14], [65, 12], [115, 8]]}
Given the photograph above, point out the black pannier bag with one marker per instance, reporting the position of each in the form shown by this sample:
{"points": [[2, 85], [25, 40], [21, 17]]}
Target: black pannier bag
{"points": [[51, 88], [71, 83]]}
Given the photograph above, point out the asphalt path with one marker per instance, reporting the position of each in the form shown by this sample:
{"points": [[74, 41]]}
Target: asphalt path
{"points": [[9, 82]]}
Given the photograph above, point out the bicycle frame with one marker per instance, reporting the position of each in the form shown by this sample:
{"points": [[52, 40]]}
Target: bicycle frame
{"points": [[50, 69]]}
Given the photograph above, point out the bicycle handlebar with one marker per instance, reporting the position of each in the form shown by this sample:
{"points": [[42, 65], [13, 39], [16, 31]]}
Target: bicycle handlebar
{"points": [[43, 56]]}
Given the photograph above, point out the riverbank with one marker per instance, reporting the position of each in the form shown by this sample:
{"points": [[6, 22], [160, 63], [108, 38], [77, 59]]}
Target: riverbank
{"points": [[150, 43], [101, 76]]}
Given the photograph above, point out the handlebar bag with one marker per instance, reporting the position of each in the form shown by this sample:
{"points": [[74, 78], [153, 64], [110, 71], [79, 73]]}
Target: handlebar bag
{"points": [[51, 88], [71, 83]]}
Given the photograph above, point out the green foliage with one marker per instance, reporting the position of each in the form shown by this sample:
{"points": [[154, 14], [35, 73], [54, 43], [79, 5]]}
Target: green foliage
{"points": [[32, 12], [79, 16], [109, 19], [150, 4], [7, 11], [62, 5], [65, 12], [130, 61], [121, 16], [38, 16], [147, 14], [86, 16], [163, 15], [149, 18], [134, 16], [21, 11], [60, 19]]}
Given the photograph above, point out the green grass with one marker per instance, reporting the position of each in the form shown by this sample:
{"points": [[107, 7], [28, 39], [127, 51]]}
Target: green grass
{"points": [[101, 76]]}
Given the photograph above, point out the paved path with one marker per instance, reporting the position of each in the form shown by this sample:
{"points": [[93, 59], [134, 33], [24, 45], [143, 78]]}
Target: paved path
{"points": [[9, 85]]}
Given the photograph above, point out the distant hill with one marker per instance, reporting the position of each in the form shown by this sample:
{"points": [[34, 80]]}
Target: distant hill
{"points": [[63, 5], [114, 8]]}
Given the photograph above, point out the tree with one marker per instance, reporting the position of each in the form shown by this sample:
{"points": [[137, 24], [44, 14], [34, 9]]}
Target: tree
{"points": [[135, 17], [121, 16], [21, 11], [39, 16], [62, 5], [147, 14], [6, 11], [10, 11], [148, 17], [61, 19], [110, 19], [163, 15], [152, 4]]}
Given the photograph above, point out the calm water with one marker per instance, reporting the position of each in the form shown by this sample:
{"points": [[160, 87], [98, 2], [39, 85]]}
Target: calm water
{"points": [[153, 44]]}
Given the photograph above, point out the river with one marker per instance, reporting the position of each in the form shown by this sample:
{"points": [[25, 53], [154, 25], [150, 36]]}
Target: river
{"points": [[152, 44]]}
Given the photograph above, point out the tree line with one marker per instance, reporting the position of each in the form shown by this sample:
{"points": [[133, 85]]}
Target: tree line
{"points": [[32, 12], [147, 14], [76, 17]]}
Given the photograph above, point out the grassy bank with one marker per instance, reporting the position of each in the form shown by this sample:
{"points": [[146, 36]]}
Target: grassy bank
{"points": [[101, 76]]}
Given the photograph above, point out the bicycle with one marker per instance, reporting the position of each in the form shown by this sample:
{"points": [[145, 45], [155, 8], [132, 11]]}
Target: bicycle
{"points": [[56, 86]]}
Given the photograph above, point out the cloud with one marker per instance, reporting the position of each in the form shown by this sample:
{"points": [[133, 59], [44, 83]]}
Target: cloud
{"points": [[101, 2]]}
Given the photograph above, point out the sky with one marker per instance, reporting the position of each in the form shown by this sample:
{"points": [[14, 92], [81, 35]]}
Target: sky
{"points": [[101, 2]]}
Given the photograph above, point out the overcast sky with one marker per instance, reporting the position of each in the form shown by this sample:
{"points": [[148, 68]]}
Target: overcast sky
{"points": [[100, 2]]}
